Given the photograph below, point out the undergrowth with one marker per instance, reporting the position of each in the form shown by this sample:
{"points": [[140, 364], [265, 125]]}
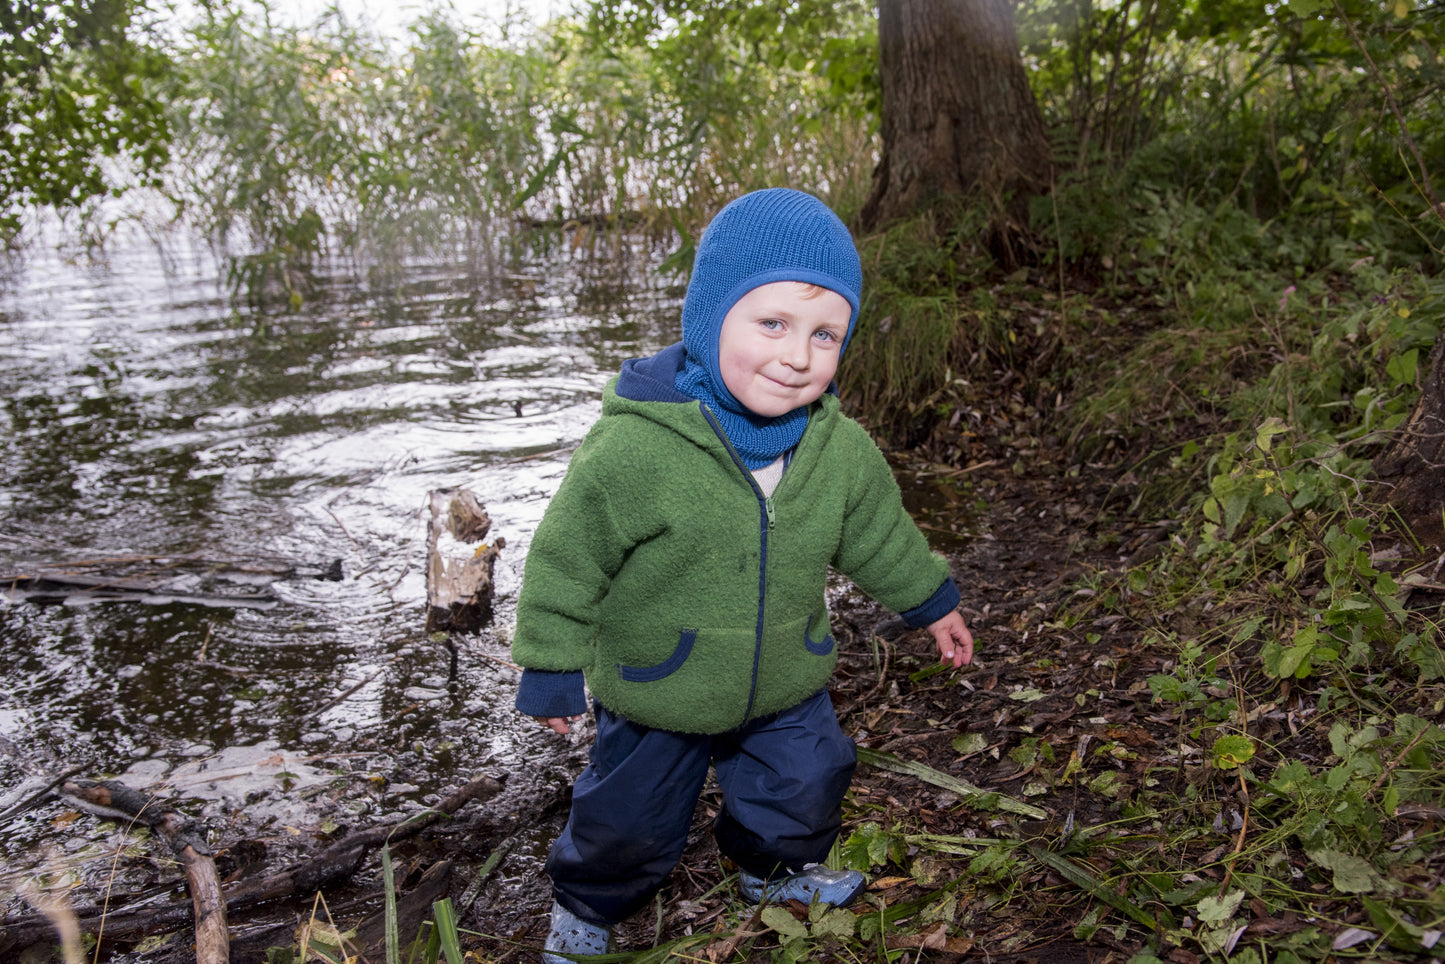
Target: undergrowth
{"points": [[1236, 377]]}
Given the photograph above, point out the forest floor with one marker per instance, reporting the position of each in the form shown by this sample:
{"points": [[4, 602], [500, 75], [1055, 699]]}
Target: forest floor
{"points": [[1056, 710]]}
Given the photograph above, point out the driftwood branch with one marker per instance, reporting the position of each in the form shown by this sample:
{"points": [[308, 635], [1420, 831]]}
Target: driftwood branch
{"points": [[157, 579], [188, 843], [337, 862]]}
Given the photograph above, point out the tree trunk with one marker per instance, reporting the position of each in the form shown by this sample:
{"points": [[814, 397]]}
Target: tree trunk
{"points": [[1415, 465], [959, 117]]}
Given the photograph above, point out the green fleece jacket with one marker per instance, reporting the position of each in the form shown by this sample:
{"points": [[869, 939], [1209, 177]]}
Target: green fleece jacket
{"points": [[691, 602]]}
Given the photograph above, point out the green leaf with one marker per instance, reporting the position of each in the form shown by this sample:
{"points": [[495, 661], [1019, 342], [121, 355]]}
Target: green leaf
{"points": [[388, 878], [1264, 435], [1233, 751], [836, 923], [1167, 688], [1352, 875], [866, 848], [780, 920], [1402, 367], [969, 743], [1217, 910], [1401, 934], [1211, 510], [1236, 503], [446, 921]]}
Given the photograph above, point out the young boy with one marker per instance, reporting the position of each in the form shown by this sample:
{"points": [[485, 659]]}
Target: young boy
{"points": [[681, 570]]}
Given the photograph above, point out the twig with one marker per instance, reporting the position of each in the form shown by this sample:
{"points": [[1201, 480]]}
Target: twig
{"points": [[499, 661], [1393, 764], [335, 862], [342, 525], [1243, 829], [725, 950], [346, 695], [39, 795]]}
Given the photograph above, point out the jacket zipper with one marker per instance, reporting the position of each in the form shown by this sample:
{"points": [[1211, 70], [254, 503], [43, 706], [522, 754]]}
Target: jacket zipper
{"points": [[767, 521]]}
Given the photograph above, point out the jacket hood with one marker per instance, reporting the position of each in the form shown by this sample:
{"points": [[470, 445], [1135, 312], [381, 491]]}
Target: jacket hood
{"points": [[651, 379]]}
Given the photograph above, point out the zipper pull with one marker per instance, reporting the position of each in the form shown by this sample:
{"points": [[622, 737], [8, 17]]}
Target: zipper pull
{"points": [[772, 516]]}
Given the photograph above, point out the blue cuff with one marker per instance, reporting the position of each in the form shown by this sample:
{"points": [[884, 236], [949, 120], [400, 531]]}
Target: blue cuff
{"points": [[944, 601], [546, 694]]}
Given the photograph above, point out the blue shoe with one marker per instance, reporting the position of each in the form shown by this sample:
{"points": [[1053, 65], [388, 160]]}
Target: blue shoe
{"points": [[816, 882], [574, 937]]}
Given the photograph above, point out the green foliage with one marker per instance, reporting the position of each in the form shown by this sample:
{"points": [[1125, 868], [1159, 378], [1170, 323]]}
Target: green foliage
{"points": [[299, 143], [698, 102], [824, 927], [1279, 578], [917, 327], [1197, 141], [77, 93]]}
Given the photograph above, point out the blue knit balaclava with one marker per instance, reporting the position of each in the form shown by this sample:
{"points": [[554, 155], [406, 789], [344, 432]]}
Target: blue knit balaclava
{"points": [[776, 234]]}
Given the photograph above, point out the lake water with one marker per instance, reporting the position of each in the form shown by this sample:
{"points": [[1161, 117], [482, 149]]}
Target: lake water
{"points": [[150, 427]]}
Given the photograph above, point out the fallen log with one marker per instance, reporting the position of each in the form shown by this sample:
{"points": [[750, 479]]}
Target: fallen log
{"points": [[157, 580], [369, 942], [49, 589], [412, 910], [458, 571], [336, 862], [188, 843]]}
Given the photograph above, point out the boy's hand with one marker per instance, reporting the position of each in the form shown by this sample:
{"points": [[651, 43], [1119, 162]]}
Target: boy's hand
{"points": [[558, 724], [955, 642]]}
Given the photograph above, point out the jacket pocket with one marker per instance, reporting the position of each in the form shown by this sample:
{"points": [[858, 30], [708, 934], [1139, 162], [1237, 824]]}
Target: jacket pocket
{"points": [[664, 669], [820, 647]]}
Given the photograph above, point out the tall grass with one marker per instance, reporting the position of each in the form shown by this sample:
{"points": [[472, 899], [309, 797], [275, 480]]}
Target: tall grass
{"points": [[295, 145], [299, 144]]}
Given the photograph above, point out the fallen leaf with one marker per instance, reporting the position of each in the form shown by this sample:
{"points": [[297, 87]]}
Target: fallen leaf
{"points": [[1351, 936], [883, 883]]}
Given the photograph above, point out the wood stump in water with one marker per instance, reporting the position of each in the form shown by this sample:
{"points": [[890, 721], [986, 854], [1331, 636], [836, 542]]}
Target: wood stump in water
{"points": [[459, 563]]}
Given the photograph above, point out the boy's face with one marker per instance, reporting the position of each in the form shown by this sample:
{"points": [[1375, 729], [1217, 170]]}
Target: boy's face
{"points": [[779, 345]]}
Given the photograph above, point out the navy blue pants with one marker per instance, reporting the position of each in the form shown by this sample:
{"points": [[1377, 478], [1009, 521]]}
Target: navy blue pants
{"points": [[782, 778]]}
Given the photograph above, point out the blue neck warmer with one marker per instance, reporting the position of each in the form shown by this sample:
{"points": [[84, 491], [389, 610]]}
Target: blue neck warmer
{"points": [[776, 234]]}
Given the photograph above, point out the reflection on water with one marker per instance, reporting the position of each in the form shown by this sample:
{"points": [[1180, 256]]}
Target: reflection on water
{"points": [[145, 423]]}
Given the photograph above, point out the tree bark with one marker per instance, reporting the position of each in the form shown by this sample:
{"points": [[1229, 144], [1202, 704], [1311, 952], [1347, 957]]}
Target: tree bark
{"points": [[459, 575], [1414, 466], [959, 117]]}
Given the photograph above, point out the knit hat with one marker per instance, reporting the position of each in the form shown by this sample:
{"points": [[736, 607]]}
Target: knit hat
{"points": [[776, 234]]}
